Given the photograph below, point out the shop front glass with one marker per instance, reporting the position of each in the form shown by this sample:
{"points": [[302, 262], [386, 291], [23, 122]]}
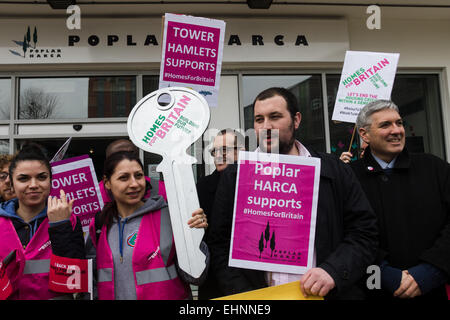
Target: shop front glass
{"points": [[94, 147], [4, 146], [103, 97], [307, 89], [76, 97], [5, 98]]}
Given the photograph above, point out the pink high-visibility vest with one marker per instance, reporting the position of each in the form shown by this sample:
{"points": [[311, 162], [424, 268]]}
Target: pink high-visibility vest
{"points": [[31, 282], [154, 271]]}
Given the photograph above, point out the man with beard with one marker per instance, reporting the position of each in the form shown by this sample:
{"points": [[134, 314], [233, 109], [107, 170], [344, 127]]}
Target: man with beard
{"points": [[410, 193], [346, 232]]}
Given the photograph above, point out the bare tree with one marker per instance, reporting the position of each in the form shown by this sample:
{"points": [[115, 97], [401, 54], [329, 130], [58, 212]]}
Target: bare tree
{"points": [[4, 112], [37, 104], [4, 109]]}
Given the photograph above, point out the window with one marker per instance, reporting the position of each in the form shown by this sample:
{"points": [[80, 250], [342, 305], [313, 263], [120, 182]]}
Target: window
{"points": [[307, 89], [417, 97], [150, 84], [84, 97], [76, 98], [5, 98], [4, 146]]}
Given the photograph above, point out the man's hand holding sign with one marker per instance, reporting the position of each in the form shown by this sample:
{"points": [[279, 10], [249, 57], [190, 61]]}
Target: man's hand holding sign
{"points": [[316, 282]]}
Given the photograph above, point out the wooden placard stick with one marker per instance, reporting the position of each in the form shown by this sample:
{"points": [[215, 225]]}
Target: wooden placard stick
{"points": [[353, 136]]}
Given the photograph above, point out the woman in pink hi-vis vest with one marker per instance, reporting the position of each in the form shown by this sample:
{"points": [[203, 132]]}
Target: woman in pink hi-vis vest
{"points": [[33, 227], [135, 251]]}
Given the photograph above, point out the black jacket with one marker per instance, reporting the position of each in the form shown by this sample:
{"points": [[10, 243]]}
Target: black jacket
{"points": [[413, 208], [206, 191], [346, 232]]}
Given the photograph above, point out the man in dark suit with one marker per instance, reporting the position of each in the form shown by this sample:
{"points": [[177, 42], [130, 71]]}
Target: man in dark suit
{"points": [[225, 149], [410, 193]]}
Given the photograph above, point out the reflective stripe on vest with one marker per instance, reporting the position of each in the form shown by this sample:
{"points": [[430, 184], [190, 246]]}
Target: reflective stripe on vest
{"points": [[165, 235], [156, 275], [104, 275], [37, 266], [152, 275], [31, 281]]}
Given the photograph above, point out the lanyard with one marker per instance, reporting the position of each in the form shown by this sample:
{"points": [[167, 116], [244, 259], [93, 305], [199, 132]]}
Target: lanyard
{"points": [[121, 230]]}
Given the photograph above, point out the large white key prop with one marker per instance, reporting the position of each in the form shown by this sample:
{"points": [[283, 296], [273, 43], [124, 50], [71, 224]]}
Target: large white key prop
{"points": [[168, 129]]}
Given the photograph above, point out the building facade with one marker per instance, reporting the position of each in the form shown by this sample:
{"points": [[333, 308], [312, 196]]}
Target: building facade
{"points": [[59, 79]]}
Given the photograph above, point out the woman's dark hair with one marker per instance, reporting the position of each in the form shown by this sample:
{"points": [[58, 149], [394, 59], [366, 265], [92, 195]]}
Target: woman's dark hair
{"points": [[30, 152], [109, 211]]}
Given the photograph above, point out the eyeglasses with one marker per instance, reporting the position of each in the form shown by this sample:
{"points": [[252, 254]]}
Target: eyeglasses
{"points": [[223, 150], [3, 176]]}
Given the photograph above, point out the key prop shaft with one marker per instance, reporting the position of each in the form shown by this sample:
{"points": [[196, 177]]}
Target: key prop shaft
{"points": [[182, 203], [167, 122]]}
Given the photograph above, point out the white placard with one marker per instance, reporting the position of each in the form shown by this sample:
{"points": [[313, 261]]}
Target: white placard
{"points": [[365, 77]]}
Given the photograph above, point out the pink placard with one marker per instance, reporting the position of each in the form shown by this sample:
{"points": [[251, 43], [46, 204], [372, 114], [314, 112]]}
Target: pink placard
{"points": [[274, 216], [192, 54], [76, 176], [191, 51]]}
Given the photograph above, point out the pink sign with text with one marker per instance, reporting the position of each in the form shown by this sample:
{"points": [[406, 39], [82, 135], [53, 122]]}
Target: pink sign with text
{"points": [[275, 212], [76, 176], [192, 54], [191, 50]]}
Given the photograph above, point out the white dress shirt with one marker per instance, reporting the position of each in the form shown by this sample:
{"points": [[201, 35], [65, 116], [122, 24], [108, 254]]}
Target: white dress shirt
{"points": [[384, 164]]}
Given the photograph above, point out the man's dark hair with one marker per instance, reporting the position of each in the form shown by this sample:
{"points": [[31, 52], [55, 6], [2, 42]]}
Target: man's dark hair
{"points": [[239, 139], [121, 145], [289, 97]]}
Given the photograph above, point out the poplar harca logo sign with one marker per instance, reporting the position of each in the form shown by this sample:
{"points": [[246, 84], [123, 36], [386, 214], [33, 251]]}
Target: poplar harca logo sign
{"points": [[28, 47]]}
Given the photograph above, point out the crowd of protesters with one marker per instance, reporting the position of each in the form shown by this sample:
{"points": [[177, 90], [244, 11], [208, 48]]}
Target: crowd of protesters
{"points": [[389, 208]]}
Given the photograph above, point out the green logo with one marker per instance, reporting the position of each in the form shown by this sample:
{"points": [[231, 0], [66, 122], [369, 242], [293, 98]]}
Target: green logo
{"points": [[131, 239]]}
